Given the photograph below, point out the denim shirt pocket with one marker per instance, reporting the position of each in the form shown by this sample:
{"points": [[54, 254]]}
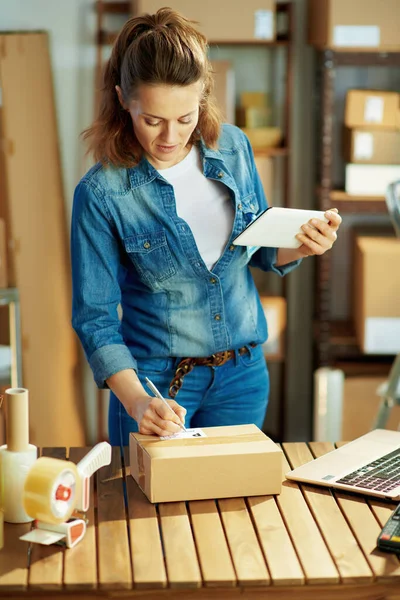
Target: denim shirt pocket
{"points": [[151, 255]]}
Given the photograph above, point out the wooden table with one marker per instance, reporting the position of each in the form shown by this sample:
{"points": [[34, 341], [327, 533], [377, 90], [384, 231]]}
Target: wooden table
{"points": [[305, 543]]}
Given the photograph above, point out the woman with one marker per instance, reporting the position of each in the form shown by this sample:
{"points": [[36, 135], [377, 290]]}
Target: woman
{"points": [[159, 290]]}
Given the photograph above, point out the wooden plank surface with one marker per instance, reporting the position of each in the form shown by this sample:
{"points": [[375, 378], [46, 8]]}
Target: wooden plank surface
{"points": [[343, 546], [114, 561], [180, 552], [283, 564], [243, 543], [145, 541], [47, 562], [14, 559], [365, 528], [310, 546], [80, 562], [213, 552]]}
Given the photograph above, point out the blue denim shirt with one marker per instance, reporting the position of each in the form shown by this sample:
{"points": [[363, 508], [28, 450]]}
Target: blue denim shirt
{"points": [[130, 248]]}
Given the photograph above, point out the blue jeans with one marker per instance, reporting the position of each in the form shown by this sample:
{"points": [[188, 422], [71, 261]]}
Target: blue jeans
{"points": [[235, 393]]}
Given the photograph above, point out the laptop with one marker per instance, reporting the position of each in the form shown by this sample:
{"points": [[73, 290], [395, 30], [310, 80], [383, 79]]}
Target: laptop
{"points": [[368, 465]]}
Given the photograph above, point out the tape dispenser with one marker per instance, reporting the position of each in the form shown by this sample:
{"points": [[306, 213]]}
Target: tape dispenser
{"points": [[54, 489]]}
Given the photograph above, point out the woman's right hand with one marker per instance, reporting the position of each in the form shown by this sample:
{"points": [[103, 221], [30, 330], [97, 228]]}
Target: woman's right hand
{"points": [[151, 414], [153, 417]]}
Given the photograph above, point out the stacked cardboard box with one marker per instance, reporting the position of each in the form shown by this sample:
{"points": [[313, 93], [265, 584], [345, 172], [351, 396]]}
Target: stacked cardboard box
{"points": [[359, 25], [226, 21], [376, 296], [253, 115], [276, 314], [361, 403], [371, 141]]}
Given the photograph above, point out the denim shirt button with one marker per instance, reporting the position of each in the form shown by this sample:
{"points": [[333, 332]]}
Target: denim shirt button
{"points": [[213, 280], [146, 245], [231, 247], [239, 207], [220, 175], [217, 317]]}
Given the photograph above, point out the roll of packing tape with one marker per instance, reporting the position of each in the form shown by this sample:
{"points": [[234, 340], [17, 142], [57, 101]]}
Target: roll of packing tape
{"points": [[14, 468], [50, 490]]}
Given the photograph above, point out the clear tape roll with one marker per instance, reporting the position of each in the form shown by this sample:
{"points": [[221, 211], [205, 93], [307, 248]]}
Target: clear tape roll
{"points": [[50, 490], [14, 468]]}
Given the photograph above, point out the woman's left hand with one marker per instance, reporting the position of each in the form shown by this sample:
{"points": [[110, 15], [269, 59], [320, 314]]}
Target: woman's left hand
{"points": [[318, 236]]}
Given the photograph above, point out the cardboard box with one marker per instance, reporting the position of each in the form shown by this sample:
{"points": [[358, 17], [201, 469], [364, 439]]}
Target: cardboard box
{"points": [[225, 21], [263, 137], [3, 255], [253, 116], [254, 99], [224, 88], [371, 146], [376, 296], [361, 405], [370, 108], [354, 26], [229, 462], [369, 180], [276, 314], [265, 168]]}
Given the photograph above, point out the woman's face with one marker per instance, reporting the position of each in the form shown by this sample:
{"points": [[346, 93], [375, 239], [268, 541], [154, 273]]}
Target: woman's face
{"points": [[164, 118]]}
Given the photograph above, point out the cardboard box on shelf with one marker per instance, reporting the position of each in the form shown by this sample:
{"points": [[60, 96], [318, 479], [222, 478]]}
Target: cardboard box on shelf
{"points": [[255, 20], [361, 405], [263, 137], [254, 99], [224, 88], [227, 462], [376, 306], [359, 25], [369, 180], [253, 116], [371, 146], [275, 313], [3, 255], [265, 168], [372, 108]]}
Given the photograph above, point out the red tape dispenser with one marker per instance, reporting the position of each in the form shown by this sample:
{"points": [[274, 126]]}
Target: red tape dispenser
{"points": [[54, 489]]}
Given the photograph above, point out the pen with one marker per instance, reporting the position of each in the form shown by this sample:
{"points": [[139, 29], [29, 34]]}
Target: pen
{"points": [[155, 391]]}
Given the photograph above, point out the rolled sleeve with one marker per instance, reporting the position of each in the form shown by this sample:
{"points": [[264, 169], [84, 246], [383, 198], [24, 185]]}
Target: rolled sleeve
{"points": [[108, 360], [265, 259]]}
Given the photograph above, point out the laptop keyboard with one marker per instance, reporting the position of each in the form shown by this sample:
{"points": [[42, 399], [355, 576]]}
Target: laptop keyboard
{"points": [[382, 475]]}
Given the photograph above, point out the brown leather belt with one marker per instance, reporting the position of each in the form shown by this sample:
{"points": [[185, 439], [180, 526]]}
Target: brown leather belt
{"points": [[187, 364]]}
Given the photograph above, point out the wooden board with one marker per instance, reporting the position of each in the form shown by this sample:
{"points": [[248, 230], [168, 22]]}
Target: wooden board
{"points": [[38, 260]]}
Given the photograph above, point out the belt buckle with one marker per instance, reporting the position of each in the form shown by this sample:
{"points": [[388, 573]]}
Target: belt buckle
{"points": [[220, 358]]}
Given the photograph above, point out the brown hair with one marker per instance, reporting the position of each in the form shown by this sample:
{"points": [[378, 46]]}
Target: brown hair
{"points": [[164, 48]]}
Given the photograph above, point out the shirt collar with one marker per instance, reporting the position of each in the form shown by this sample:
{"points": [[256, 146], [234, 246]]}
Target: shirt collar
{"points": [[144, 172]]}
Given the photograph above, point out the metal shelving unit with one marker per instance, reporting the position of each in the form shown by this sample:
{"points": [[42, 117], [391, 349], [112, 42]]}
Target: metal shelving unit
{"points": [[335, 342]]}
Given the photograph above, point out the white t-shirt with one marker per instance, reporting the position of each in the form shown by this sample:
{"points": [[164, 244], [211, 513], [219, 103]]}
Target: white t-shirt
{"points": [[204, 204]]}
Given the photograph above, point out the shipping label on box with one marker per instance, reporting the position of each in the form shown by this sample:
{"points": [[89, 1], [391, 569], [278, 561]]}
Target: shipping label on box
{"points": [[226, 462]]}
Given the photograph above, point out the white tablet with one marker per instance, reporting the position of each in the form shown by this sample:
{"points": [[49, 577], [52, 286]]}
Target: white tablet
{"points": [[277, 227]]}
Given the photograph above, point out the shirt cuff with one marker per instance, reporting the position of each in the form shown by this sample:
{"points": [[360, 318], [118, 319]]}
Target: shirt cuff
{"points": [[108, 360]]}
